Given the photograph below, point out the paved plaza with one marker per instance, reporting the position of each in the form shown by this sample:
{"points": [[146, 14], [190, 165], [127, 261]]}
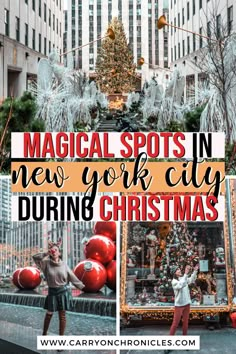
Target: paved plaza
{"points": [[219, 341], [21, 325]]}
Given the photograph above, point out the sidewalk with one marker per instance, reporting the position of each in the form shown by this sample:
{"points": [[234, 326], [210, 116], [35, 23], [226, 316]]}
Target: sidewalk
{"points": [[21, 325], [220, 341]]}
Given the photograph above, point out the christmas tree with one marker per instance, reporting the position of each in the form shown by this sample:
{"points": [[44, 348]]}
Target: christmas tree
{"points": [[115, 69]]}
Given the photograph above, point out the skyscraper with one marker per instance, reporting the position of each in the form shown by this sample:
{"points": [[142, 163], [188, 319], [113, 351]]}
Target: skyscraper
{"points": [[19, 240], [197, 16], [5, 218], [5, 198], [29, 30], [85, 21]]}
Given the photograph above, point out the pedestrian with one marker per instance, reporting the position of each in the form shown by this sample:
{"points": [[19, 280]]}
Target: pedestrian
{"points": [[180, 284], [57, 275]]}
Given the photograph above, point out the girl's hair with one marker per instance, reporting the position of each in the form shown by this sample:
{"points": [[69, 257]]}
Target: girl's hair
{"points": [[175, 276], [52, 244]]}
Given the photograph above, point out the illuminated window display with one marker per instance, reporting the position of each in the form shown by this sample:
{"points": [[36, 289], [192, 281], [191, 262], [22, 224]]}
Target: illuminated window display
{"points": [[231, 222], [152, 250]]}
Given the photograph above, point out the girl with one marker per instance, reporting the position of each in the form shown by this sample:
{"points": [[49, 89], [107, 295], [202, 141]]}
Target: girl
{"points": [[57, 275], [182, 297]]}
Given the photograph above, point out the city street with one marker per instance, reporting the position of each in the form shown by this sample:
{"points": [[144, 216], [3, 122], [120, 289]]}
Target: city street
{"points": [[21, 325], [216, 342]]}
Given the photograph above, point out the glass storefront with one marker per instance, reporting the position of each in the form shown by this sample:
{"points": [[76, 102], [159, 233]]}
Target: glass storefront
{"points": [[150, 252], [154, 251]]}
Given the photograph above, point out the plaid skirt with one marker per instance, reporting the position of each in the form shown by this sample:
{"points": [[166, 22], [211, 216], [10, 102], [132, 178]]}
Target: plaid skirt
{"points": [[58, 299]]}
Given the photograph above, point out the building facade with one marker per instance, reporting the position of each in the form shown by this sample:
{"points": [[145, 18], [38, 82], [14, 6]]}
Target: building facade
{"points": [[29, 30], [5, 217], [26, 238], [85, 21], [203, 17], [5, 198], [23, 239], [20, 240]]}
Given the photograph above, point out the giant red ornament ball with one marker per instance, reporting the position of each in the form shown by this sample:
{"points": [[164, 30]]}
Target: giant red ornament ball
{"points": [[92, 273], [106, 228], [15, 276], [111, 275], [100, 248], [29, 278]]}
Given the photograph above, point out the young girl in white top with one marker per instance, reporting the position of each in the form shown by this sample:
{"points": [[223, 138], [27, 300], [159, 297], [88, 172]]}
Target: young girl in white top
{"points": [[180, 284]]}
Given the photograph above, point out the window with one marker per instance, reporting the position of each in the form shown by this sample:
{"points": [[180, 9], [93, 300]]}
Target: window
{"points": [[99, 21], [60, 4], [45, 46], [18, 29], [57, 25], [33, 39], [45, 12], [200, 4], [109, 10], [33, 5], [209, 29], [194, 7], [26, 34], [175, 53], [49, 18], [218, 26], [40, 42], [120, 9], [188, 11], [40, 8], [49, 47], [230, 19], [188, 44], [179, 19], [6, 21], [183, 19], [201, 39], [53, 22], [175, 23], [179, 50], [194, 42], [183, 47], [137, 234], [26, 1]]}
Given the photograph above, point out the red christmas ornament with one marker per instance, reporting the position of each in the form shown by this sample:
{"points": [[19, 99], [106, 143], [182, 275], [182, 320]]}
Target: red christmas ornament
{"points": [[106, 228], [100, 248], [15, 278], [111, 275], [29, 278], [92, 273]]}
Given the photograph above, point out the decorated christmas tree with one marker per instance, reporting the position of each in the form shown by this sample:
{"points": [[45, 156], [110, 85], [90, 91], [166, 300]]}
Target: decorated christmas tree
{"points": [[115, 69]]}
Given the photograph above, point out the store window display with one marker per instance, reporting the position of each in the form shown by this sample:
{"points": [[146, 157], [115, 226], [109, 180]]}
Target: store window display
{"points": [[155, 249]]}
